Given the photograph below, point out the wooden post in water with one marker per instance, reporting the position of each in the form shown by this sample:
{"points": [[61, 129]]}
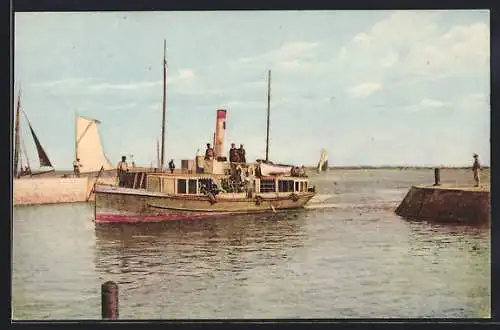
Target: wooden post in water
{"points": [[437, 177], [109, 300]]}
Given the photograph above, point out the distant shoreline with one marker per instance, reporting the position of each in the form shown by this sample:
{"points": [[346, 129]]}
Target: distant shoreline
{"points": [[364, 167], [398, 167]]}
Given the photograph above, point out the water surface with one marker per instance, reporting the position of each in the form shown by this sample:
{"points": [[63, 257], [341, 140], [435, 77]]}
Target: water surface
{"points": [[356, 259]]}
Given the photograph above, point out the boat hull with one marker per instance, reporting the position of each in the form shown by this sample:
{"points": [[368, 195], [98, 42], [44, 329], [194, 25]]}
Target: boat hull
{"points": [[119, 205]]}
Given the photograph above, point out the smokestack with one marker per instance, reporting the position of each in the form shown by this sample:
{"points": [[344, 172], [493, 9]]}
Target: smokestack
{"points": [[220, 133]]}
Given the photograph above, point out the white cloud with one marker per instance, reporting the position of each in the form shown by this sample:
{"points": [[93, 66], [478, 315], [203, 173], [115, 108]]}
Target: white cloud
{"points": [[291, 53], [111, 106], [364, 89], [384, 37], [63, 82], [429, 103], [185, 74], [389, 59], [426, 104], [294, 49], [462, 48], [127, 86], [470, 102], [414, 41], [474, 101]]}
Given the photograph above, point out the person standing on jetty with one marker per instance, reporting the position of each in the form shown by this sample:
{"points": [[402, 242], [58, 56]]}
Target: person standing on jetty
{"points": [[171, 166], [121, 169], [76, 167], [476, 167]]}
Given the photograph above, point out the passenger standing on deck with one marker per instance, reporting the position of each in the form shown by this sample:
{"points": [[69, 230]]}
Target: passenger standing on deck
{"points": [[121, 169], [209, 153], [242, 154], [171, 166], [476, 167], [302, 171], [233, 154], [76, 167]]}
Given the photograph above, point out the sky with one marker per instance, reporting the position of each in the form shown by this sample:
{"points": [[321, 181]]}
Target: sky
{"points": [[372, 87]]}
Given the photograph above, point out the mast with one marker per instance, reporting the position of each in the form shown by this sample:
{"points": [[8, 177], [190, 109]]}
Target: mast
{"points": [[164, 103], [76, 135], [16, 134], [268, 111], [157, 153]]}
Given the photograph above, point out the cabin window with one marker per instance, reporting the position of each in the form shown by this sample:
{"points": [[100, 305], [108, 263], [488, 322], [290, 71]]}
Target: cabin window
{"points": [[297, 186], [192, 186], [285, 186], [181, 186], [302, 186], [267, 186]]}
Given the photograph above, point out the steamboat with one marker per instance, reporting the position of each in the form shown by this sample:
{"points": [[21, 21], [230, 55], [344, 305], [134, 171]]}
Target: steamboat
{"points": [[213, 187]]}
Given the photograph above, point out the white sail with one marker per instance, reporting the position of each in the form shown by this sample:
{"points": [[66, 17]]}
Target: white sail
{"points": [[323, 161], [88, 146]]}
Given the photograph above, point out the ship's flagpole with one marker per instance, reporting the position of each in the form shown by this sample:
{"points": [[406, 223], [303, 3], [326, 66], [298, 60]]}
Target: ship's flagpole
{"points": [[17, 134]]}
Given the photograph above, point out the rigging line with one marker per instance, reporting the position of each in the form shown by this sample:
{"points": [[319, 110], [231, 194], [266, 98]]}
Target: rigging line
{"points": [[84, 132]]}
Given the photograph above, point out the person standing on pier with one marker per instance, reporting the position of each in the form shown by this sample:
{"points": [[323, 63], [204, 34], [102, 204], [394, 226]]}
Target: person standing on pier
{"points": [[171, 166], [76, 167], [476, 167], [121, 169]]}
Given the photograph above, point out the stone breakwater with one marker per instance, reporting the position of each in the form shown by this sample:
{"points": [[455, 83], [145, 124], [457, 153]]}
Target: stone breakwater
{"points": [[446, 204], [52, 190]]}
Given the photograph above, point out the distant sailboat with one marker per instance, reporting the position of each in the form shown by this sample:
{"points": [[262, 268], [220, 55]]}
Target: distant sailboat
{"points": [[44, 160], [323, 161], [88, 147]]}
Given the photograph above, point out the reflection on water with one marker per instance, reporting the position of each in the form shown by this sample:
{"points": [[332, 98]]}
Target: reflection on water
{"points": [[355, 260], [209, 246]]}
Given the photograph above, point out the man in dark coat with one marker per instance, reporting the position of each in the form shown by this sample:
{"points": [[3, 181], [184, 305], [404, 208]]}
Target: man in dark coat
{"points": [[121, 169], [209, 153], [242, 154], [171, 166], [476, 167], [233, 154]]}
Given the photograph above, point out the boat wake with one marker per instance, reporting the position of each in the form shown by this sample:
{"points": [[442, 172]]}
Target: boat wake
{"points": [[320, 198], [380, 205]]}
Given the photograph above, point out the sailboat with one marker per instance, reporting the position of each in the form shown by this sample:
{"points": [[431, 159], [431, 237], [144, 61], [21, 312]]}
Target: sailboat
{"points": [[88, 146], [18, 169], [323, 161], [221, 189]]}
